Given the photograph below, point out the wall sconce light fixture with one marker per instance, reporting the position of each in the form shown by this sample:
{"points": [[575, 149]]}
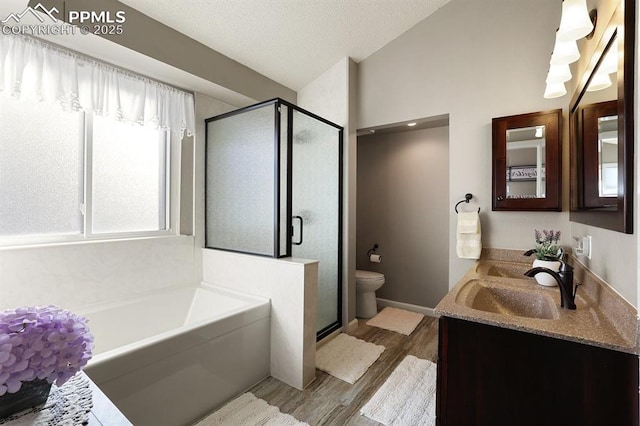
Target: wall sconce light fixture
{"points": [[575, 23]]}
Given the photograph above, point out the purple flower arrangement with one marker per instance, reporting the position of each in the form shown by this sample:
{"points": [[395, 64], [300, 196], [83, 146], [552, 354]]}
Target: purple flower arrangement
{"points": [[41, 342], [547, 244]]}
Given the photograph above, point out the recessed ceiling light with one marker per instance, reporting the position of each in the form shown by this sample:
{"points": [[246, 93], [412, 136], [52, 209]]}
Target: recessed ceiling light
{"points": [[372, 130], [412, 124]]}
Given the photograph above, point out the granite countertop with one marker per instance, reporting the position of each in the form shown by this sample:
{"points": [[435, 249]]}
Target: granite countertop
{"points": [[602, 317]]}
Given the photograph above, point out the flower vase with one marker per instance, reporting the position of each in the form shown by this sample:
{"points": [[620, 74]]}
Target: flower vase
{"points": [[543, 278], [31, 394]]}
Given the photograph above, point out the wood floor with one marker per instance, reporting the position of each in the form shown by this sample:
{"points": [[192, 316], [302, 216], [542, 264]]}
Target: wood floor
{"points": [[330, 401]]}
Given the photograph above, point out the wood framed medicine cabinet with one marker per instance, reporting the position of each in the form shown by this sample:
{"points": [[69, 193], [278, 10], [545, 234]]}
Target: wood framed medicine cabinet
{"points": [[527, 162]]}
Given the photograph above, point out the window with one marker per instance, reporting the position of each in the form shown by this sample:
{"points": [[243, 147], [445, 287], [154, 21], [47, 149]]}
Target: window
{"points": [[74, 175], [128, 178]]}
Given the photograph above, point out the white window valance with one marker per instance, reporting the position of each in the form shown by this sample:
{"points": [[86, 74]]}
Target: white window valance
{"points": [[32, 68]]}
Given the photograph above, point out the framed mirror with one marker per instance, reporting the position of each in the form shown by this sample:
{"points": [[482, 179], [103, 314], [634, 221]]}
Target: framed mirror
{"points": [[527, 161], [601, 129]]}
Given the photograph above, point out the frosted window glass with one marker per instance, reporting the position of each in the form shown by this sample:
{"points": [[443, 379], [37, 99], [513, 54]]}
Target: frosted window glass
{"points": [[316, 167], [240, 182], [129, 177], [41, 159]]}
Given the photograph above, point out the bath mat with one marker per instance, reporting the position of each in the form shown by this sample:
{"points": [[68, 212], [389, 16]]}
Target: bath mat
{"points": [[397, 320], [407, 397], [346, 357], [247, 410]]}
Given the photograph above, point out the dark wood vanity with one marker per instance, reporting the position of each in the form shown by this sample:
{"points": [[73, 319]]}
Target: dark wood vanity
{"points": [[509, 354], [489, 375]]}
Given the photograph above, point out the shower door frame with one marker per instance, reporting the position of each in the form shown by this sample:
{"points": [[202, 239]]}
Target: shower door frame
{"points": [[278, 103]]}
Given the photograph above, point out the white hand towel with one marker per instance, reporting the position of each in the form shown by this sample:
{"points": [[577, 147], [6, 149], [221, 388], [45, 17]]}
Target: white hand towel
{"points": [[469, 236]]}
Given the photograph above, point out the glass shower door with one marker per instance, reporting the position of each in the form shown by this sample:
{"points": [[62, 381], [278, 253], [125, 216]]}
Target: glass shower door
{"points": [[273, 188], [316, 209]]}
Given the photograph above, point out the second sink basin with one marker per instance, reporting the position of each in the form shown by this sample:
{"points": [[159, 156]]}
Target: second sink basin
{"points": [[502, 299]]}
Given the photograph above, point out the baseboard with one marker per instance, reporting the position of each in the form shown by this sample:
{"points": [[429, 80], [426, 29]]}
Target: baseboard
{"points": [[407, 306], [353, 324]]}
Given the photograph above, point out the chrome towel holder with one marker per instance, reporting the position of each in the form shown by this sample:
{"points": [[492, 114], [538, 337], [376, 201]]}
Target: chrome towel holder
{"points": [[467, 197]]}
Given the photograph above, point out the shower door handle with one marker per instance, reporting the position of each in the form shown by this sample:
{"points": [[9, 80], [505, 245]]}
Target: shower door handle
{"points": [[299, 242]]}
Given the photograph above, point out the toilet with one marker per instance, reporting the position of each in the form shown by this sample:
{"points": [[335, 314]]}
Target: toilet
{"points": [[367, 283]]}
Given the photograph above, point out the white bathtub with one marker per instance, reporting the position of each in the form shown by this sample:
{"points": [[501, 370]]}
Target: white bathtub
{"points": [[171, 357]]}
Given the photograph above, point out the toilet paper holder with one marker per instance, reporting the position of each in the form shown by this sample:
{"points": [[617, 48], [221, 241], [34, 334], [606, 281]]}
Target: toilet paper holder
{"points": [[373, 255]]}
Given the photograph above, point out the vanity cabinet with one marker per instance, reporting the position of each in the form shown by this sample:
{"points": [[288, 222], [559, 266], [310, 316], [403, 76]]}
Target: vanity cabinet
{"points": [[489, 375]]}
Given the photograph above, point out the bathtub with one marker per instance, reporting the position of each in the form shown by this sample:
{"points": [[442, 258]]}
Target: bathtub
{"points": [[171, 357]]}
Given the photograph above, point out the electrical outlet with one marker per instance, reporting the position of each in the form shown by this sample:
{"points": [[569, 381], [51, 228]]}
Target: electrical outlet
{"points": [[582, 246]]}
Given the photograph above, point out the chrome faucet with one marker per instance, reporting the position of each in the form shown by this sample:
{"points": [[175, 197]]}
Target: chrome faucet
{"points": [[564, 278]]}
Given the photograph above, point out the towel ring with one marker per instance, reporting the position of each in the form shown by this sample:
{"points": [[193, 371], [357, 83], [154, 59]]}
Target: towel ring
{"points": [[467, 197]]}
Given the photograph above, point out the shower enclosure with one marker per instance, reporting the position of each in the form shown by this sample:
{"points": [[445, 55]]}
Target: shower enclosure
{"points": [[274, 188]]}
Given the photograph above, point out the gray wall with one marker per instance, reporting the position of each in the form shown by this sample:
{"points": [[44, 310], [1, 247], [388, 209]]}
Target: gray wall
{"points": [[403, 204], [476, 60], [473, 60]]}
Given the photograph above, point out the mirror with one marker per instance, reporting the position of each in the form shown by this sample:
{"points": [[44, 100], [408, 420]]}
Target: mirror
{"points": [[598, 129], [527, 152], [526, 162], [601, 130]]}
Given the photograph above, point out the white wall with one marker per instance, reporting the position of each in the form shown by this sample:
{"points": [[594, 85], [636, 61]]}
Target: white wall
{"points": [[332, 96], [291, 286], [474, 60], [74, 275]]}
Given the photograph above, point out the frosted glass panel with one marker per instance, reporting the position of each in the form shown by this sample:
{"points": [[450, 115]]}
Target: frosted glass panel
{"points": [[129, 171], [284, 201], [240, 182], [316, 198], [41, 159]]}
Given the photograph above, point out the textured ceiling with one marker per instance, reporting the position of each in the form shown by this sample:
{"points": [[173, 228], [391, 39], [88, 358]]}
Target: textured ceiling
{"points": [[290, 41]]}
